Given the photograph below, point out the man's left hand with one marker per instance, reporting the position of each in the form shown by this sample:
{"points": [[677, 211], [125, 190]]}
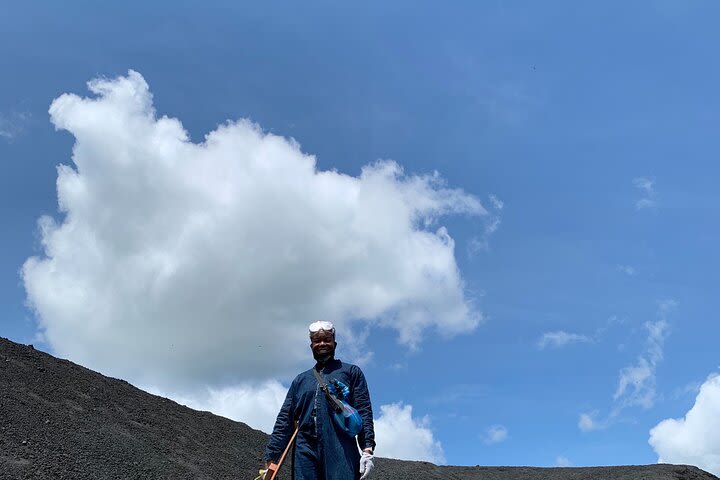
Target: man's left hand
{"points": [[366, 465]]}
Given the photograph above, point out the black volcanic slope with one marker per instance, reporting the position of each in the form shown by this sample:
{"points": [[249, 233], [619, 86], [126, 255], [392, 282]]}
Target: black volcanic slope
{"points": [[59, 420]]}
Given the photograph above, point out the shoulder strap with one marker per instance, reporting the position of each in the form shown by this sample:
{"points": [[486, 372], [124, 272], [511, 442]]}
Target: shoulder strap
{"points": [[337, 404]]}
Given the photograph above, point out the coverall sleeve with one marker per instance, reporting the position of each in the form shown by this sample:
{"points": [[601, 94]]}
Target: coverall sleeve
{"points": [[366, 437], [283, 427]]}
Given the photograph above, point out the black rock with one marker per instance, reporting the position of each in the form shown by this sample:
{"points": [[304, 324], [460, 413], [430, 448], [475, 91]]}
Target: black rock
{"points": [[79, 424]]}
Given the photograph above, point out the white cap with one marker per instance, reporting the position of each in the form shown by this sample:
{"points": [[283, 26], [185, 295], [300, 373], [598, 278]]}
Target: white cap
{"points": [[321, 325]]}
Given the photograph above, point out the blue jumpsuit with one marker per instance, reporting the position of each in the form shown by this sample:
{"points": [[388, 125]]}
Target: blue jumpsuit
{"points": [[322, 451]]}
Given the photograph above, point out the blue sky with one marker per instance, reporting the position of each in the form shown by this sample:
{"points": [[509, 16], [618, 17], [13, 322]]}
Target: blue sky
{"points": [[588, 132]]}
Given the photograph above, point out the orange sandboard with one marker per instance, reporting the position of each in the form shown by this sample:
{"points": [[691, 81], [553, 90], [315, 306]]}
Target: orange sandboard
{"points": [[273, 468]]}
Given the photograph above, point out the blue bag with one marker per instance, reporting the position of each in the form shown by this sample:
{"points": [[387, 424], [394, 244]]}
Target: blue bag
{"points": [[346, 417]]}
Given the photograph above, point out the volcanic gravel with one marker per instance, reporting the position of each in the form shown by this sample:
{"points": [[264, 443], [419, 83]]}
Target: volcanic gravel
{"points": [[59, 420]]}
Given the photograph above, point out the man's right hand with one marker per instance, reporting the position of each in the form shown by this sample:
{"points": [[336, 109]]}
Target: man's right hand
{"points": [[270, 467]]}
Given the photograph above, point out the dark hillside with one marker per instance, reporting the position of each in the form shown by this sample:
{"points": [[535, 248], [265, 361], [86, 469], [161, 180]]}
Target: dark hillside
{"points": [[62, 421]]}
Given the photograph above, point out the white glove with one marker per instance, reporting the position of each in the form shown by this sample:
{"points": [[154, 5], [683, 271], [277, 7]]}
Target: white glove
{"points": [[366, 465]]}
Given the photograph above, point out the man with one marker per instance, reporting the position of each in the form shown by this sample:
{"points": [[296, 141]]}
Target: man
{"points": [[323, 451]]}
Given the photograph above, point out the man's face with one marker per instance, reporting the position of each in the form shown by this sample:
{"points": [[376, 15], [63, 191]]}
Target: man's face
{"points": [[322, 344]]}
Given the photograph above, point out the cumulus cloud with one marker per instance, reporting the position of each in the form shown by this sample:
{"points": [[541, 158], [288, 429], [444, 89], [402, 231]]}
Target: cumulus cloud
{"points": [[495, 434], [401, 436], [695, 438], [562, 461], [256, 405], [560, 338], [647, 189], [398, 433], [177, 264]]}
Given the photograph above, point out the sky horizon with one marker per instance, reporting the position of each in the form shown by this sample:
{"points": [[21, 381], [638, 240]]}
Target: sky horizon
{"points": [[509, 211]]}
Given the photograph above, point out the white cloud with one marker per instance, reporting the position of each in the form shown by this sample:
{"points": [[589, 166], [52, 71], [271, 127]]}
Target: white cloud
{"points": [[496, 202], [183, 265], [401, 436], [637, 383], [589, 422], [12, 124], [691, 388], [255, 405], [495, 434], [644, 203], [645, 184], [628, 270], [611, 321], [398, 367], [647, 188], [695, 438], [562, 461], [636, 386], [491, 224], [560, 338]]}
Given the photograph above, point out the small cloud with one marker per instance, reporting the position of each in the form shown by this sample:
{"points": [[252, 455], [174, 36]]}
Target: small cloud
{"points": [[645, 184], [612, 320], [588, 422], [496, 202], [636, 386], [627, 270], [636, 383], [647, 188], [491, 224], [562, 461], [13, 124], [398, 367], [495, 434], [664, 306], [560, 339], [644, 203]]}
